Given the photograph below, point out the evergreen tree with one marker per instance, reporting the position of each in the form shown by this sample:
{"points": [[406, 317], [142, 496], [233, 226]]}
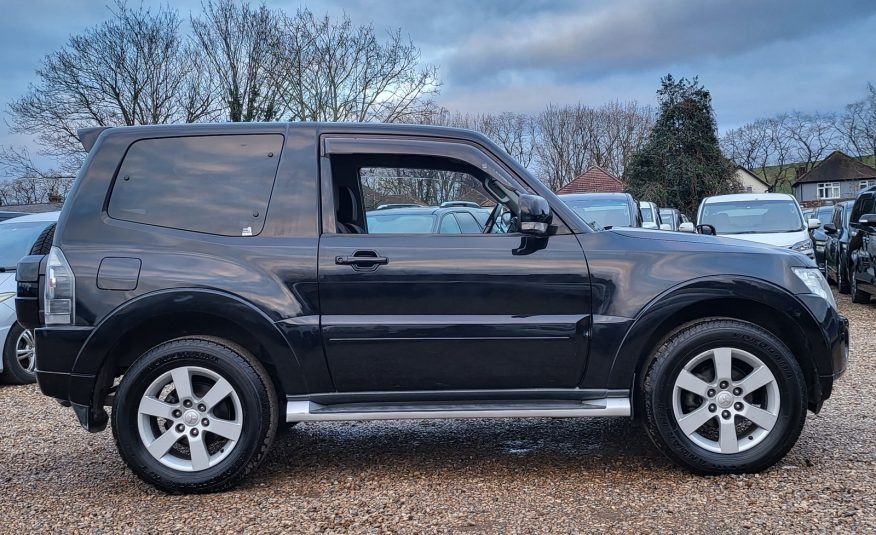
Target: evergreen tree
{"points": [[681, 162]]}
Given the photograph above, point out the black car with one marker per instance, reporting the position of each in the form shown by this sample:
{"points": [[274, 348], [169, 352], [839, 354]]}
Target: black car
{"points": [[862, 246], [214, 283], [818, 235], [836, 249], [604, 211]]}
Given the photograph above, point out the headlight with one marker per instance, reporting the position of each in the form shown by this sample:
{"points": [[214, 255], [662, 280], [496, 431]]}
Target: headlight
{"points": [[815, 281], [802, 246], [6, 295]]}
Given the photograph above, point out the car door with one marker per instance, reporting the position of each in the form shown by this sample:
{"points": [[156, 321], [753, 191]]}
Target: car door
{"points": [[863, 243], [440, 312]]}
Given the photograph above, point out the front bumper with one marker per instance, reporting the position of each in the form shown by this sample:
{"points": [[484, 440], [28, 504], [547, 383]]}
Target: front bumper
{"points": [[831, 356]]}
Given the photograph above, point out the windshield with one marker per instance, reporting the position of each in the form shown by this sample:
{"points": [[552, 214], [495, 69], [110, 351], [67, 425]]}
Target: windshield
{"points": [[602, 213], [823, 214], [753, 217], [667, 216], [16, 239], [647, 216], [400, 223]]}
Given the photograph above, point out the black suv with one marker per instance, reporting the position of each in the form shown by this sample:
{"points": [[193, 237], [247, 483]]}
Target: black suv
{"points": [[862, 246], [836, 248], [216, 282]]}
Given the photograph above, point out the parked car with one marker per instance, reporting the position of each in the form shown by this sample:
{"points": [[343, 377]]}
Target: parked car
{"points": [[20, 236], [671, 217], [427, 220], [819, 237], [214, 282], [836, 250], [605, 210], [398, 205], [862, 246], [651, 216], [770, 218]]}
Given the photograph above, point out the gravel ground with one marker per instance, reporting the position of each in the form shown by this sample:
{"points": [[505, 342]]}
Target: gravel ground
{"points": [[469, 476]]}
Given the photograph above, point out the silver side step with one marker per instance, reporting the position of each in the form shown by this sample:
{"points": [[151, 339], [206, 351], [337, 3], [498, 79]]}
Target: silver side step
{"points": [[308, 411]]}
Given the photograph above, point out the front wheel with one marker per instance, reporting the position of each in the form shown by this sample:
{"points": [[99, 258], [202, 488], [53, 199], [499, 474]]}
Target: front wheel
{"points": [[19, 356], [194, 415], [858, 296], [724, 396]]}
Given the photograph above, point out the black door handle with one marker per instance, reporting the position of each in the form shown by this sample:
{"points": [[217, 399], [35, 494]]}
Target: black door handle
{"points": [[362, 260]]}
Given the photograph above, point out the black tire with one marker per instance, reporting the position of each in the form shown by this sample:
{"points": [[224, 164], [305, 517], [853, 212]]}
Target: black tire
{"points": [[14, 373], [858, 296], [258, 405], [842, 277], [681, 348], [43, 243]]}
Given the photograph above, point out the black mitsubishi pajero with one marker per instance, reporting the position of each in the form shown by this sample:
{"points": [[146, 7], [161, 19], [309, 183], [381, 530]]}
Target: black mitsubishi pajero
{"points": [[214, 283]]}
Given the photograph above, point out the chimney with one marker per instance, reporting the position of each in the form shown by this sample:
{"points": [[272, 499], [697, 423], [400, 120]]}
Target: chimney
{"points": [[799, 171]]}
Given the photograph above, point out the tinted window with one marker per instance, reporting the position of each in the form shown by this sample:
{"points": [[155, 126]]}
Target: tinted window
{"points": [[823, 214], [865, 206], [212, 184], [647, 215], [467, 223], [449, 225]]}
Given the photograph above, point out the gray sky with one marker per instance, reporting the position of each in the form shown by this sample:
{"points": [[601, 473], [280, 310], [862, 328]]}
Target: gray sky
{"points": [[757, 57]]}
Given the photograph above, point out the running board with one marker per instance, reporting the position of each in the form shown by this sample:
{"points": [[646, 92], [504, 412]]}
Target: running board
{"points": [[308, 411]]}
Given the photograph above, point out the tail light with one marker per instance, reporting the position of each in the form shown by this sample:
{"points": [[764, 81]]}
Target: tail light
{"points": [[59, 295]]}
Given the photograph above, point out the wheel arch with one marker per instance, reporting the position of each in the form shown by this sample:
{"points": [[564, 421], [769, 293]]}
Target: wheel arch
{"points": [[144, 322], [750, 300]]}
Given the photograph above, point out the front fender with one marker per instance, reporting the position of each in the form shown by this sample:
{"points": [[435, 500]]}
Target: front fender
{"points": [[738, 297]]}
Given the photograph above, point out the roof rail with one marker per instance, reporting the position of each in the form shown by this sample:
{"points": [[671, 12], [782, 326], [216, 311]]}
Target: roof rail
{"points": [[88, 136]]}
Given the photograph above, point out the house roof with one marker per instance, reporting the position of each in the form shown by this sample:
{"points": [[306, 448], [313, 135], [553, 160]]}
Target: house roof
{"points": [[752, 175], [837, 167], [594, 180]]}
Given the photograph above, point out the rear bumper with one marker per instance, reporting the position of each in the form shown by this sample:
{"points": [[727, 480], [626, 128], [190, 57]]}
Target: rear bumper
{"points": [[57, 349]]}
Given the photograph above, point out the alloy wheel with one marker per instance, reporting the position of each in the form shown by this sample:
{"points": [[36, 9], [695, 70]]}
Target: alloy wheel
{"points": [[726, 400], [25, 351], [190, 418]]}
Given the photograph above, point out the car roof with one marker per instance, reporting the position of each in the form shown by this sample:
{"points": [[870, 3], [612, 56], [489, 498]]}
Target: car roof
{"points": [[737, 197], [45, 216], [604, 195]]}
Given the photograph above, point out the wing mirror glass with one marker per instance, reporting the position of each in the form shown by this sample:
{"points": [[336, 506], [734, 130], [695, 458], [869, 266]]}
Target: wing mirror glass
{"points": [[814, 223], [535, 215], [706, 229], [687, 227]]}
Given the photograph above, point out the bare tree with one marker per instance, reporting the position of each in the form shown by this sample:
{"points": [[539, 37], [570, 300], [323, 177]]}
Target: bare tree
{"points": [[336, 71], [135, 68], [32, 184], [857, 126], [812, 136], [239, 43]]}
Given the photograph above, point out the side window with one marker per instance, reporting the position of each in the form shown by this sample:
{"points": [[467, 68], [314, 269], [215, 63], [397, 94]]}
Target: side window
{"points": [[449, 225], [467, 223], [388, 193], [837, 218], [864, 205], [211, 184]]}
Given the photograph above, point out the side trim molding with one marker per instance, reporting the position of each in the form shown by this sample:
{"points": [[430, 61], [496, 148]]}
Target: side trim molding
{"points": [[308, 411]]}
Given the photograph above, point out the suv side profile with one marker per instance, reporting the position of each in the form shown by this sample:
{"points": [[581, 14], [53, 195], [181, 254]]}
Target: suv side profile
{"points": [[836, 248], [862, 247], [216, 282]]}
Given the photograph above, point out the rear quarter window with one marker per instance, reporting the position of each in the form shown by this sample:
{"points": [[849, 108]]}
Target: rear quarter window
{"points": [[211, 184]]}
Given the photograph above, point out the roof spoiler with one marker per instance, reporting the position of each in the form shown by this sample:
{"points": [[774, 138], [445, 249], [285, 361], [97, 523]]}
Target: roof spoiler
{"points": [[88, 136]]}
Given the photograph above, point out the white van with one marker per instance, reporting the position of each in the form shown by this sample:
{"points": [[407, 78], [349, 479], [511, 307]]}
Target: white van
{"points": [[771, 218]]}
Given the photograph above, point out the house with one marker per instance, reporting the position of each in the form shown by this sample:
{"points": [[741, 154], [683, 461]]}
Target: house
{"points": [[750, 182], [594, 180], [837, 178]]}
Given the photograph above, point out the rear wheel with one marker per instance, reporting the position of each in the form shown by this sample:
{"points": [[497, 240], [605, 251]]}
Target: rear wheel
{"points": [[724, 396], [19, 356], [194, 415]]}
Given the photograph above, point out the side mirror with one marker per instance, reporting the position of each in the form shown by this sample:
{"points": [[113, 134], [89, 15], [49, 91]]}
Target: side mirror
{"points": [[687, 227], [868, 220], [814, 223], [535, 215], [829, 228], [649, 226], [665, 226], [706, 229]]}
